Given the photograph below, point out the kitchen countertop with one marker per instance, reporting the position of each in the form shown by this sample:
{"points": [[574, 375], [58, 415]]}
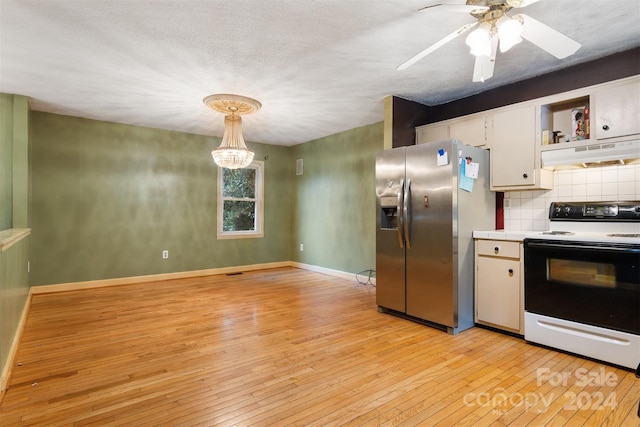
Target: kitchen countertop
{"points": [[589, 236], [515, 235]]}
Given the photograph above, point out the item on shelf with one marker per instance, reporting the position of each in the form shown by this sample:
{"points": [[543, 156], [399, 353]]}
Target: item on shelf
{"points": [[580, 123]]}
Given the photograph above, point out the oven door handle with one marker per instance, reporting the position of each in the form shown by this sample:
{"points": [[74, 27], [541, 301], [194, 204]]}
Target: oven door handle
{"points": [[615, 249]]}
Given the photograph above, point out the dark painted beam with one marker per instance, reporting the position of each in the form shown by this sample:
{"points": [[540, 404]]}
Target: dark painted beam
{"points": [[612, 67], [406, 116], [409, 114]]}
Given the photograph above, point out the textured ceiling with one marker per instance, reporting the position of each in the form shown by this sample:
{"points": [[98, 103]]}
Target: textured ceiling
{"points": [[317, 66]]}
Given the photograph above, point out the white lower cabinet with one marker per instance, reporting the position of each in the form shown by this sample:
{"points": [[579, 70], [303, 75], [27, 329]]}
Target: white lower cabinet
{"points": [[499, 298]]}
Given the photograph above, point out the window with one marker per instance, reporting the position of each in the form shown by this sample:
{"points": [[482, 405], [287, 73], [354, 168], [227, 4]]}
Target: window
{"points": [[240, 202]]}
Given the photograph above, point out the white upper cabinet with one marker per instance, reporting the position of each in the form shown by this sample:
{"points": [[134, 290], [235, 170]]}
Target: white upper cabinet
{"points": [[472, 130], [515, 162], [617, 109], [434, 132], [518, 134]]}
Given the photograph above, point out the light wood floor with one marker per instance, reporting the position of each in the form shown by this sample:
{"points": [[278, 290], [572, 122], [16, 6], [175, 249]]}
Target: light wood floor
{"points": [[287, 347]]}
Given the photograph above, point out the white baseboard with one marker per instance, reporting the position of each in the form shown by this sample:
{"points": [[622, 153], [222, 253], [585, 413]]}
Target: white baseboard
{"points": [[74, 286], [324, 270], [328, 271], [13, 349]]}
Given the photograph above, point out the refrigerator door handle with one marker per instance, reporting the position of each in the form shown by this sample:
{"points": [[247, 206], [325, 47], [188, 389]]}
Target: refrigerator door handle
{"points": [[405, 213], [400, 213]]}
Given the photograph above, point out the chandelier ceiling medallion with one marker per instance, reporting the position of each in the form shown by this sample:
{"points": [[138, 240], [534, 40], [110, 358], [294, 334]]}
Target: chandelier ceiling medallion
{"points": [[232, 152]]}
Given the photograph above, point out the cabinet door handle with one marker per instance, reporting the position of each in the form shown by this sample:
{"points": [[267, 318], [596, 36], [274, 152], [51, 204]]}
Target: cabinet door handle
{"points": [[525, 176], [605, 127], [511, 272]]}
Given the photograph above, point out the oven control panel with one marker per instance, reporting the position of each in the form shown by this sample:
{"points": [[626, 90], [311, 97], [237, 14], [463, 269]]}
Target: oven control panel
{"points": [[594, 211]]}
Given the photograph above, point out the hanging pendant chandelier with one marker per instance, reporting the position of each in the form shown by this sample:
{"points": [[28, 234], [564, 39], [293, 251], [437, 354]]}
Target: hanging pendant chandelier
{"points": [[232, 152]]}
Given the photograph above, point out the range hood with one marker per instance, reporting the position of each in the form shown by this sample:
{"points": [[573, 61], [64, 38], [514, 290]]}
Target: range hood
{"points": [[598, 154]]}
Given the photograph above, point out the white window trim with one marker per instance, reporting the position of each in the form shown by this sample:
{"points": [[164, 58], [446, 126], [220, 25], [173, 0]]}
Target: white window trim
{"points": [[258, 165]]}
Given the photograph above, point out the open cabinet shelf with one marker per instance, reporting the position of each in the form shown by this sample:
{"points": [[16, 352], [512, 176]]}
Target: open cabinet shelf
{"points": [[569, 118]]}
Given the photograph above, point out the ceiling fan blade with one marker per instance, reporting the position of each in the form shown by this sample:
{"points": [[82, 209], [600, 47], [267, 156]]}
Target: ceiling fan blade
{"points": [[457, 6], [521, 3], [436, 45], [547, 38], [483, 68]]}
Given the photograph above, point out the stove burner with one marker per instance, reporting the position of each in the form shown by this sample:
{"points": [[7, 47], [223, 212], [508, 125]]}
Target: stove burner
{"points": [[559, 233], [623, 235]]}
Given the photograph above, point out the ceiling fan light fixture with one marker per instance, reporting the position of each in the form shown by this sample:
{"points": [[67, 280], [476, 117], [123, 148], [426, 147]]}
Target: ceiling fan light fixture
{"points": [[494, 28], [479, 40], [505, 45], [232, 152], [509, 31]]}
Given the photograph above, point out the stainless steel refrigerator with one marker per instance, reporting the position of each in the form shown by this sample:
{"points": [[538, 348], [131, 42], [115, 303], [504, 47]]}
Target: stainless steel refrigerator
{"points": [[424, 227]]}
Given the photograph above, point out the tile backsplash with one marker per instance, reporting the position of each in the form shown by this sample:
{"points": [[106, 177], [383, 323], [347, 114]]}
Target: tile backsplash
{"points": [[529, 210]]}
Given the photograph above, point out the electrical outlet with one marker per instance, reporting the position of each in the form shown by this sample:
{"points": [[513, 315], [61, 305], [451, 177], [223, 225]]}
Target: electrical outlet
{"points": [[165, 254], [301, 247]]}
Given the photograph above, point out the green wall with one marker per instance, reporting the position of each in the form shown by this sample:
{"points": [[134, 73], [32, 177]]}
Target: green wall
{"points": [[107, 199], [20, 161], [14, 291], [14, 162], [14, 185], [334, 202], [6, 159]]}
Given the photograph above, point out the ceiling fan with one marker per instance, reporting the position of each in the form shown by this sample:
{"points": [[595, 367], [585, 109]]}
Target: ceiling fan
{"points": [[495, 27]]}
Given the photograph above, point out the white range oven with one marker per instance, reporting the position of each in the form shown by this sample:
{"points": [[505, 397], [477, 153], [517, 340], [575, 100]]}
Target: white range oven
{"points": [[582, 281]]}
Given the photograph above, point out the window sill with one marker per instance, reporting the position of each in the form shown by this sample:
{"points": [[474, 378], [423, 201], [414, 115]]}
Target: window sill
{"points": [[240, 235]]}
